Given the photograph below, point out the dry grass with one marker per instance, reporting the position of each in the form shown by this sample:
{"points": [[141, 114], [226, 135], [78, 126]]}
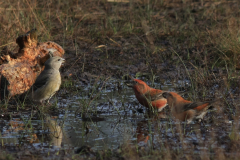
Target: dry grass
{"points": [[196, 37]]}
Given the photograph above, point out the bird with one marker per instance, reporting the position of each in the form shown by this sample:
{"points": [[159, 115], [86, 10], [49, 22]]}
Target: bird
{"points": [[185, 110], [147, 96], [49, 80]]}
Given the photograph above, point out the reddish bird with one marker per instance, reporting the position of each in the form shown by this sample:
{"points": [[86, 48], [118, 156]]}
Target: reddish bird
{"points": [[142, 132], [147, 96], [186, 110]]}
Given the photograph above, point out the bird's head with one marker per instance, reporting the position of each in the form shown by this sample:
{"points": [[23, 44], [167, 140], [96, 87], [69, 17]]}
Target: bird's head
{"points": [[133, 82], [170, 97], [167, 95], [54, 62], [137, 84]]}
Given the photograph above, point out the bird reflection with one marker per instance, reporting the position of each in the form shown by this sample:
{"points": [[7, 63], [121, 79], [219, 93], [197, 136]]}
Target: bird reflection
{"points": [[56, 134], [142, 131]]}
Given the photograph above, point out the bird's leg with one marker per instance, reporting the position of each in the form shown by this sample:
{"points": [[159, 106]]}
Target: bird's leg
{"points": [[50, 98], [48, 101]]}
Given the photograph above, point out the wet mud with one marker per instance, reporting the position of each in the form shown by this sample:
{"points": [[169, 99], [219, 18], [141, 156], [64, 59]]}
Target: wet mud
{"points": [[95, 115]]}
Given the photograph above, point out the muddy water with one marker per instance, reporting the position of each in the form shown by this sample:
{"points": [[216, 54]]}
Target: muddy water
{"points": [[110, 120]]}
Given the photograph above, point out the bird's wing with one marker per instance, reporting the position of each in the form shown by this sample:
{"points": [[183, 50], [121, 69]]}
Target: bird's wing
{"points": [[42, 79], [154, 95], [196, 105], [200, 105]]}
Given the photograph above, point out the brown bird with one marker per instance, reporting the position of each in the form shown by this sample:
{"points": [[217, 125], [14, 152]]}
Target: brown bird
{"points": [[186, 110], [147, 96]]}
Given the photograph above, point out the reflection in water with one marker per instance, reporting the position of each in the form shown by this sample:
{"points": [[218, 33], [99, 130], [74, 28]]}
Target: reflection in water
{"points": [[19, 131], [143, 127], [106, 125], [109, 133], [142, 132], [103, 125], [56, 134]]}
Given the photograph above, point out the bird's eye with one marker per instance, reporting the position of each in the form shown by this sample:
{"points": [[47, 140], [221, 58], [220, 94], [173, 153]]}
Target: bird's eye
{"points": [[59, 59]]}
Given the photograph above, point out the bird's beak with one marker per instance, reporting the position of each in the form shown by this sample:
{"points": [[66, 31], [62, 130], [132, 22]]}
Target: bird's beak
{"points": [[131, 82], [63, 61]]}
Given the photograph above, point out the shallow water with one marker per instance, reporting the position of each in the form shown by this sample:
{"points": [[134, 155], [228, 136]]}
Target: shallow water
{"points": [[109, 121]]}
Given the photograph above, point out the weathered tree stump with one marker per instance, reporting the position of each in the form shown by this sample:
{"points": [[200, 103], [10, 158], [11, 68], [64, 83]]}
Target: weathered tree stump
{"points": [[19, 71]]}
